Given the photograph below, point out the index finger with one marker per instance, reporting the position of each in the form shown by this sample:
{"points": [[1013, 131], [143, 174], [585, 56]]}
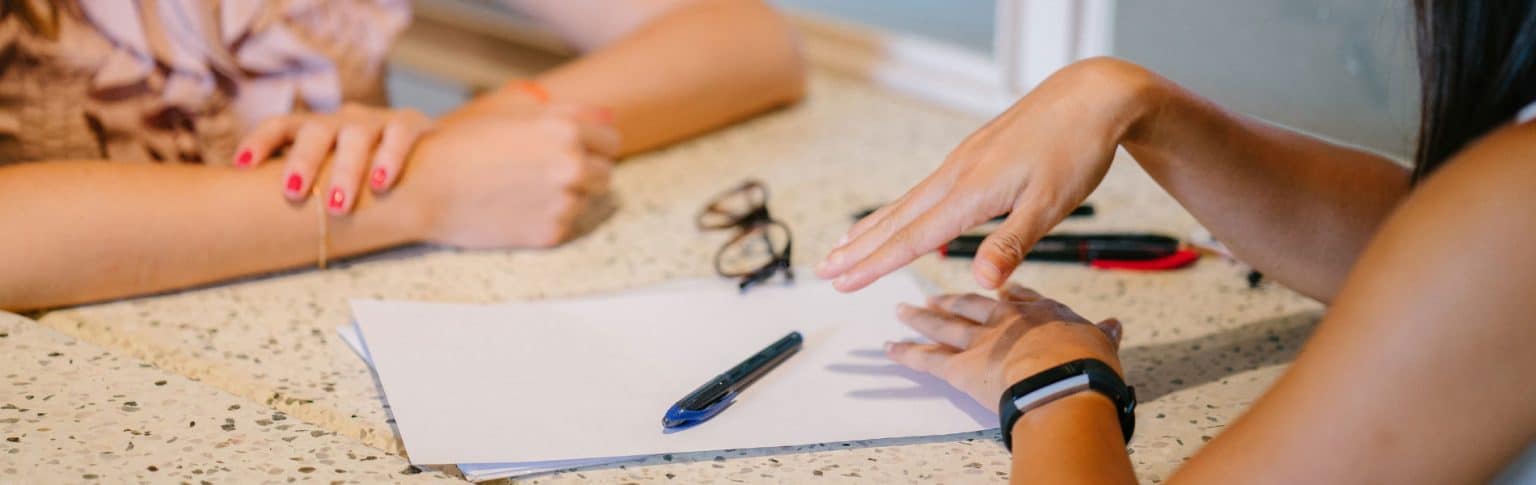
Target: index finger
{"points": [[885, 222], [947, 219]]}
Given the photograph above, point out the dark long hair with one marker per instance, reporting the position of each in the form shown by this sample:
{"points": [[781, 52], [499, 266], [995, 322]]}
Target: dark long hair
{"points": [[1476, 68]]}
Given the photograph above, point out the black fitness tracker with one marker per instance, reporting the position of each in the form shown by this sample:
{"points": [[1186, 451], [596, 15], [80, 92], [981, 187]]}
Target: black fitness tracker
{"points": [[1062, 381]]}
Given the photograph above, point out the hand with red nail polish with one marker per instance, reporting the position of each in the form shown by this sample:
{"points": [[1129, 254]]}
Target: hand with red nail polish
{"points": [[361, 144], [1037, 161]]}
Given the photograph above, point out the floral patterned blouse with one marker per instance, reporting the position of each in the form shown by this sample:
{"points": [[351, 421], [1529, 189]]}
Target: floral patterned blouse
{"points": [[178, 81]]}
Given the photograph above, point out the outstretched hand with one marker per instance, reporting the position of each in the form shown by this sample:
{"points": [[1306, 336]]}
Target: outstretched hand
{"points": [[1037, 161], [983, 345]]}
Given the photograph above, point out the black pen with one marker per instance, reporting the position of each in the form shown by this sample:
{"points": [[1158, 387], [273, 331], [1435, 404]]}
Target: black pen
{"points": [[1105, 251], [717, 394], [1084, 210]]}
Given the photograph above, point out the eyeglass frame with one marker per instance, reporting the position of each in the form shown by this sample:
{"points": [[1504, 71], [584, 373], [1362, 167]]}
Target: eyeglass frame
{"points": [[755, 220]]}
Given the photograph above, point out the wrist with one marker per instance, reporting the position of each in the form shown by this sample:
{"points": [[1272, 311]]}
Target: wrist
{"points": [[411, 203], [514, 98], [1083, 412], [1130, 95]]}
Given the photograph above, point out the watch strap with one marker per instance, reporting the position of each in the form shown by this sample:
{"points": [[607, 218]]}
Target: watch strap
{"points": [[1062, 381]]}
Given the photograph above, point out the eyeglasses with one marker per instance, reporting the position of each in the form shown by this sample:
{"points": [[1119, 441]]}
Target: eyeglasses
{"points": [[761, 247]]}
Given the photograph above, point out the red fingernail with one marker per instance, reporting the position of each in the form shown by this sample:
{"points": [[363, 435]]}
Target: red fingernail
{"points": [[244, 160], [380, 175], [295, 182], [337, 198]]}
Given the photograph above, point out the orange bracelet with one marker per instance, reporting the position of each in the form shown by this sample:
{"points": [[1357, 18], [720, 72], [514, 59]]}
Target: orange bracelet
{"points": [[532, 89]]}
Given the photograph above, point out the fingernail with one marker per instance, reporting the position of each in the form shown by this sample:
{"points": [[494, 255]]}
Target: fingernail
{"points": [[841, 282], [336, 199], [295, 182], [842, 241], [244, 160], [835, 259], [604, 115], [380, 175]]}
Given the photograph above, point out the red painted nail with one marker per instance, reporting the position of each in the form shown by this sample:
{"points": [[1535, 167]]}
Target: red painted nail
{"points": [[380, 175], [295, 182], [337, 198], [244, 160]]}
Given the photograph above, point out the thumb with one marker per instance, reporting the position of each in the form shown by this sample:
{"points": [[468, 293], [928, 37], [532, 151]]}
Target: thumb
{"points": [[1113, 329], [1004, 249]]}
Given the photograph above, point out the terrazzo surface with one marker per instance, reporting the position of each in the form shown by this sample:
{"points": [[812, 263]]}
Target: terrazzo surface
{"points": [[73, 412], [1199, 344]]}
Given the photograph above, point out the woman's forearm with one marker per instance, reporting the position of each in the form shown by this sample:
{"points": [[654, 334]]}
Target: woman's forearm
{"points": [[1076, 439], [82, 231], [691, 69], [1297, 208]]}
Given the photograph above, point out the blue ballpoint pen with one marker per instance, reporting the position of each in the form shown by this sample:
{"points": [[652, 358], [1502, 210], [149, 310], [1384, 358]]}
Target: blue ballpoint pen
{"points": [[717, 394]]}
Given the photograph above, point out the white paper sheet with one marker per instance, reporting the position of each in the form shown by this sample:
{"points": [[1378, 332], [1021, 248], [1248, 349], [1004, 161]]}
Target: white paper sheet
{"points": [[476, 472], [591, 378]]}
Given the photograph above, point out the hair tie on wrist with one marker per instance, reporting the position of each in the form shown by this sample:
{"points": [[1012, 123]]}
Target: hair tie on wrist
{"points": [[532, 89]]}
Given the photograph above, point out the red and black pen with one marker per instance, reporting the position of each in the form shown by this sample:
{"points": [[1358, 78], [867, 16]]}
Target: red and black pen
{"points": [[1105, 251]]}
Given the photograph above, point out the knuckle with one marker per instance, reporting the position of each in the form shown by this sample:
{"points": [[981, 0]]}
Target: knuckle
{"points": [[352, 134], [559, 130], [905, 244], [887, 225], [1010, 245], [313, 127], [274, 124], [569, 170], [559, 229]]}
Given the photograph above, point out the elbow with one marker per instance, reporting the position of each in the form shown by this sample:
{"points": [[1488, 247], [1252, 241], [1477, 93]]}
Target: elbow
{"points": [[11, 300], [789, 64], [778, 61]]}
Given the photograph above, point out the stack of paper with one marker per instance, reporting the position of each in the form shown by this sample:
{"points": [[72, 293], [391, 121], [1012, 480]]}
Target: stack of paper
{"points": [[524, 388]]}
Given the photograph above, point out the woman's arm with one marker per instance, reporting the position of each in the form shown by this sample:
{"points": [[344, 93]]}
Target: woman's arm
{"points": [[80, 231], [667, 70], [90, 230], [1297, 208], [1422, 371], [1075, 439]]}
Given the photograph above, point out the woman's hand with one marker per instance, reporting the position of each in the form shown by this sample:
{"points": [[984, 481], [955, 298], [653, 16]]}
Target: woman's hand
{"points": [[502, 181], [356, 140], [982, 345], [1039, 160]]}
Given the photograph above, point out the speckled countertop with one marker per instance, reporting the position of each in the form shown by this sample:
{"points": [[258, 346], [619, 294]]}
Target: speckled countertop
{"points": [[277, 396]]}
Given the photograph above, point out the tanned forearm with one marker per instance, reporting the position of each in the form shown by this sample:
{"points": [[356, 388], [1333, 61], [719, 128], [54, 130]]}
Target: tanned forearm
{"points": [[1299, 209], [1076, 439], [688, 70], [82, 231]]}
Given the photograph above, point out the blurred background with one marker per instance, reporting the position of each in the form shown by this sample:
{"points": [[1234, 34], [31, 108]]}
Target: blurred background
{"points": [[1341, 69]]}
